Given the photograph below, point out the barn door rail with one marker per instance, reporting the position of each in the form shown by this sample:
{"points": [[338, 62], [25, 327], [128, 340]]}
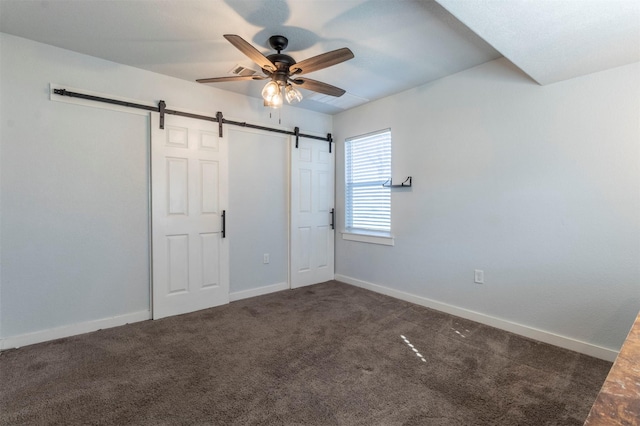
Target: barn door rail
{"points": [[162, 110]]}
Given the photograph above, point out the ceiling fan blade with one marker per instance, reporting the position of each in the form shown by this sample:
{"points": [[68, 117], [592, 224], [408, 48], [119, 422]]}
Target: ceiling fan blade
{"points": [[251, 52], [319, 62], [318, 86], [231, 78]]}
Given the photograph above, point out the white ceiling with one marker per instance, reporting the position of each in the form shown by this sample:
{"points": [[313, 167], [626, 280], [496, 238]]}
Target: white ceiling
{"points": [[398, 44], [555, 40]]}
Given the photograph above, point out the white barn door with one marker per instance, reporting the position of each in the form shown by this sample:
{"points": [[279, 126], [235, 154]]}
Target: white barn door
{"points": [[312, 203], [190, 257]]}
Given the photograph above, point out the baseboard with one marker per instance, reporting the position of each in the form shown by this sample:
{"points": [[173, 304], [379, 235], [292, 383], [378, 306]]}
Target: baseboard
{"points": [[523, 330], [72, 330], [89, 326], [245, 294]]}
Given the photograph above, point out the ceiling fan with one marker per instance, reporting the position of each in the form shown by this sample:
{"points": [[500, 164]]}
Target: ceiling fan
{"points": [[284, 71]]}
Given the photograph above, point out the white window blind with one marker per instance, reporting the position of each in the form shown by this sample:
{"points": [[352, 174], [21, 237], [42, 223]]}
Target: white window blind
{"points": [[368, 166]]}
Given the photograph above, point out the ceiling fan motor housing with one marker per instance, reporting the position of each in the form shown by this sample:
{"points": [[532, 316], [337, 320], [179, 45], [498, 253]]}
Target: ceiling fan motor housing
{"points": [[282, 62]]}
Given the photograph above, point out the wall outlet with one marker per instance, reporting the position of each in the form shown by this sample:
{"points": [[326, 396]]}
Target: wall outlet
{"points": [[478, 276], [265, 258]]}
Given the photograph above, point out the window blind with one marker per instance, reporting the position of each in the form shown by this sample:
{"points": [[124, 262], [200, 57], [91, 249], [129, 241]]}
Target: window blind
{"points": [[368, 166]]}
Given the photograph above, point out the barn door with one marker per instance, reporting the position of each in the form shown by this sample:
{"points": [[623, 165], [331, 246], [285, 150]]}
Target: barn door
{"points": [[190, 256], [312, 202]]}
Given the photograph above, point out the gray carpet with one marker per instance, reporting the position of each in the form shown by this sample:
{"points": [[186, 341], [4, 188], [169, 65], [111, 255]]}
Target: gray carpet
{"points": [[329, 354]]}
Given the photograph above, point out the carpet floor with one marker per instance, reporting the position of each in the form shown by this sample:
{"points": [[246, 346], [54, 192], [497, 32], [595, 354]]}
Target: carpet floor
{"points": [[328, 354]]}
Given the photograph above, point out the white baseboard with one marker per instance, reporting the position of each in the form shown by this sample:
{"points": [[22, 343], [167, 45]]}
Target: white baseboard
{"points": [[72, 330], [245, 294], [523, 330], [89, 326]]}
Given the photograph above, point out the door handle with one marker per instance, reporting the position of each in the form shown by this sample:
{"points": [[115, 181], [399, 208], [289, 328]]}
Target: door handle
{"points": [[333, 218], [224, 223]]}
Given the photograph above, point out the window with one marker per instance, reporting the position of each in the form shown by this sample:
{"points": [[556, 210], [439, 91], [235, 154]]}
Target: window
{"points": [[367, 167]]}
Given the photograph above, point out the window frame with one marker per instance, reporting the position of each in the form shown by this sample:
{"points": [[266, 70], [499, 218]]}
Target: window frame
{"points": [[365, 234]]}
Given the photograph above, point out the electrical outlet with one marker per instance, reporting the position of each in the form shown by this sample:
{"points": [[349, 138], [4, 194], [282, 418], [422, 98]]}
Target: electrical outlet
{"points": [[265, 258], [478, 276]]}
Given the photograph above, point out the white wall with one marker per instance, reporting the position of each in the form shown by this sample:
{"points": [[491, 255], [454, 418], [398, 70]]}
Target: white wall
{"points": [[537, 186], [258, 225], [74, 184]]}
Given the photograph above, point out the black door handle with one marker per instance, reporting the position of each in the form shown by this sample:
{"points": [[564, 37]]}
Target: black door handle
{"points": [[333, 218], [224, 223]]}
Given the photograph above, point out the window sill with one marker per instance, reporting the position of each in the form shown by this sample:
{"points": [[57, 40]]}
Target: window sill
{"points": [[371, 237]]}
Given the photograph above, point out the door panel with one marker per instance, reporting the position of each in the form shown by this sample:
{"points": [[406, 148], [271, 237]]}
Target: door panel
{"points": [[312, 199], [177, 191], [177, 263], [189, 190]]}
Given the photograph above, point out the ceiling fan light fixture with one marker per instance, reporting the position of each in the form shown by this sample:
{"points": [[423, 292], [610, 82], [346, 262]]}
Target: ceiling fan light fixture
{"points": [[275, 101], [270, 90], [292, 94]]}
